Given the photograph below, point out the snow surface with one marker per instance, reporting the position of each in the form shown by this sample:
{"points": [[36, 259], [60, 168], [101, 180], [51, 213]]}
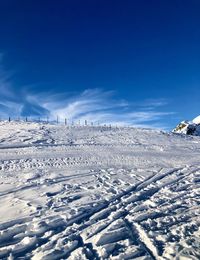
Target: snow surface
{"points": [[196, 120], [98, 193]]}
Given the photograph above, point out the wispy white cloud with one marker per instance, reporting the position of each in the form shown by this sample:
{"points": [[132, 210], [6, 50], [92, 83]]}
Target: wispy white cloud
{"points": [[94, 105], [8, 101], [90, 101], [152, 103]]}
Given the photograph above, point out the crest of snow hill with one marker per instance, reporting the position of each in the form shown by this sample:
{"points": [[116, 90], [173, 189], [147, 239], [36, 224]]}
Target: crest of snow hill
{"points": [[188, 127]]}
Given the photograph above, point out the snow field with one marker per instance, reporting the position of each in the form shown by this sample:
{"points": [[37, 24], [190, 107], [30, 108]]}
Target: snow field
{"points": [[98, 193]]}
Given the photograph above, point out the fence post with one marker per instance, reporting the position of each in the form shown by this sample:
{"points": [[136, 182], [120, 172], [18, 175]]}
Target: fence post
{"points": [[9, 119], [65, 121]]}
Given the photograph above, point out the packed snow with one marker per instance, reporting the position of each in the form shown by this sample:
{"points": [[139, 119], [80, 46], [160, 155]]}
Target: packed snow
{"points": [[97, 192]]}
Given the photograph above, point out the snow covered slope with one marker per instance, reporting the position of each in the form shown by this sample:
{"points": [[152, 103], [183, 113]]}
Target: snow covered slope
{"points": [[98, 193]]}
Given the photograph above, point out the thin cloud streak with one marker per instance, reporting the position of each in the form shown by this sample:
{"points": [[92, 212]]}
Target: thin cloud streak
{"points": [[94, 105]]}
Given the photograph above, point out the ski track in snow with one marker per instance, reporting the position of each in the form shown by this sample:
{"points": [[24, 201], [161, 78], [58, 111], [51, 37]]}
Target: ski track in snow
{"points": [[98, 193]]}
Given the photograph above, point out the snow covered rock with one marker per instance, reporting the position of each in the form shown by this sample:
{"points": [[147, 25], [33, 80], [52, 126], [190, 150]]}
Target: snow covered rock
{"points": [[188, 127]]}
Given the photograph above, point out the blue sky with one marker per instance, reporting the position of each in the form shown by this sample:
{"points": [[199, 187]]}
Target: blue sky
{"points": [[126, 62]]}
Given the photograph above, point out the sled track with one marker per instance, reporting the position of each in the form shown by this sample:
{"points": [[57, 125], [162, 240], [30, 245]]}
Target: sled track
{"points": [[21, 164], [89, 160], [118, 227], [66, 145]]}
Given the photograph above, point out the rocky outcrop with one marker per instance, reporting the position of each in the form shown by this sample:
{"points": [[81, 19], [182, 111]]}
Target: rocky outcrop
{"points": [[188, 127]]}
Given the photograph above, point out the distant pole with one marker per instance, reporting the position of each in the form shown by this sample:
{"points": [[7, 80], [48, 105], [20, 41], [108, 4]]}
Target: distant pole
{"points": [[85, 122], [26, 119], [65, 121], [9, 119], [57, 119], [47, 119]]}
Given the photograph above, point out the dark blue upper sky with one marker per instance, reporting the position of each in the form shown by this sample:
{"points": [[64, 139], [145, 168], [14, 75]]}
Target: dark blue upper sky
{"points": [[147, 51]]}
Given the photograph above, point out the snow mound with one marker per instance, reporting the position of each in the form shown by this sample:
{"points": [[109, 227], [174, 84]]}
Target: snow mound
{"points": [[188, 127]]}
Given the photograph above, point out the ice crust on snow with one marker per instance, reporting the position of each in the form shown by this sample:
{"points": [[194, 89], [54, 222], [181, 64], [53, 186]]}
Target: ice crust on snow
{"points": [[98, 193]]}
